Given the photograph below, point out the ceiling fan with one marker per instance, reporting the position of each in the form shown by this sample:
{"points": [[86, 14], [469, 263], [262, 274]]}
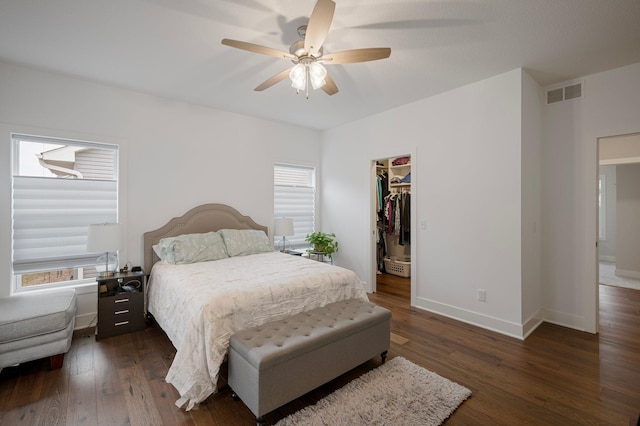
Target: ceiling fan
{"points": [[308, 56]]}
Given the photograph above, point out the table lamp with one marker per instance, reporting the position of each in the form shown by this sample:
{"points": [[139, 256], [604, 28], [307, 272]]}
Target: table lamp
{"points": [[283, 227], [105, 237]]}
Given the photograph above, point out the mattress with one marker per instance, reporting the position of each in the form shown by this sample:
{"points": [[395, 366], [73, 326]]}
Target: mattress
{"points": [[201, 305]]}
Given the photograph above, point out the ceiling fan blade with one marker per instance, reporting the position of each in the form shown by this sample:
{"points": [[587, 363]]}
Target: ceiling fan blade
{"points": [[330, 87], [356, 55], [256, 48], [273, 80], [318, 26]]}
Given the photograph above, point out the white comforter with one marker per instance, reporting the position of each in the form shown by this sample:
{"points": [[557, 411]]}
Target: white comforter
{"points": [[201, 305]]}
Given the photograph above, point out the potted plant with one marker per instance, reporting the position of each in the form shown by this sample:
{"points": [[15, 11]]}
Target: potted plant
{"points": [[322, 244]]}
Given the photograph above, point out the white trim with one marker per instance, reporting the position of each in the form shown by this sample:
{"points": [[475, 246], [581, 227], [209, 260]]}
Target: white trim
{"points": [[602, 210], [6, 130], [604, 258], [532, 323], [564, 319], [85, 321], [371, 259], [627, 273], [303, 189], [498, 325], [615, 161]]}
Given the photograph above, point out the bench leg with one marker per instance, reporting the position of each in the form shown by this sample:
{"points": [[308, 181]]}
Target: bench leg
{"points": [[55, 361], [259, 420], [383, 355]]}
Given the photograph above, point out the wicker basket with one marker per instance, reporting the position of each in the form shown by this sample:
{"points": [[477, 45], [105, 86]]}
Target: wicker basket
{"points": [[397, 267]]}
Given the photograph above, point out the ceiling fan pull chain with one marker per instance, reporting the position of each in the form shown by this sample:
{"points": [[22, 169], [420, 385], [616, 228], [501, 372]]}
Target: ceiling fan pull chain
{"points": [[306, 69]]}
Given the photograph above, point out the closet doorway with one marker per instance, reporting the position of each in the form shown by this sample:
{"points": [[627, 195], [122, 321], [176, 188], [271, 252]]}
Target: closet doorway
{"points": [[392, 227]]}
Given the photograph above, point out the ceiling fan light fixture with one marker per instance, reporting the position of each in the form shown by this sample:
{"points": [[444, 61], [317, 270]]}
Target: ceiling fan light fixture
{"points": [[308, 73], [298, 76], [317, 74], [307, 54]]}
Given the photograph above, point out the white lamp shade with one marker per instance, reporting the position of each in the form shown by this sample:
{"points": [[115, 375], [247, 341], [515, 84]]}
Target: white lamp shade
{"points": [[104, 237], [283, 227]]}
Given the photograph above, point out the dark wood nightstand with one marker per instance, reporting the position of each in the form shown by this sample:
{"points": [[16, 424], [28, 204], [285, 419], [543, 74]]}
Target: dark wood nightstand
{"points": [[120, 304]]}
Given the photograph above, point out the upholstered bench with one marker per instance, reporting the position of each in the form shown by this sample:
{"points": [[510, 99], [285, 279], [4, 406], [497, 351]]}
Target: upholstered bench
{"points": [[37, 325], [278, 362]]}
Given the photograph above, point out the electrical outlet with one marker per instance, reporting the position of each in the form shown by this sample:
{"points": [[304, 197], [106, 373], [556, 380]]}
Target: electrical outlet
{"points": [[482, 295]]}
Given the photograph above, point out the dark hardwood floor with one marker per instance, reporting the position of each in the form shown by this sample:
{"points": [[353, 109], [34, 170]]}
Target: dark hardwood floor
{"points": [[557, 376]]}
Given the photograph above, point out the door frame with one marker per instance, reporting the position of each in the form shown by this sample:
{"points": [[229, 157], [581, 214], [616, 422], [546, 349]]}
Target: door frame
{"points": [[596, 303], [413, 222]]}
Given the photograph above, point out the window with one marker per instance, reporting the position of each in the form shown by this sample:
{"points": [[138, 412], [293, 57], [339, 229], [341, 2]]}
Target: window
{"points": [[59, 187], [602, 207], [294, 192]]}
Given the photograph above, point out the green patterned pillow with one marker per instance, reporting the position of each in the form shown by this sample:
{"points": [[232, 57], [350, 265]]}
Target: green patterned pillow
{"points": [[191, 248], [240, 242]]}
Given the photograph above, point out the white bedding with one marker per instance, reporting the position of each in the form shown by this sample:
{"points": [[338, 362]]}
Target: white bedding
{"points": [[201, 305]]}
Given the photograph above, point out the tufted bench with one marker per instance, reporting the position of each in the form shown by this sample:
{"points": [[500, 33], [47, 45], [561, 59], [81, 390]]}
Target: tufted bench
{"points": [[38, 325], [280, 361]]}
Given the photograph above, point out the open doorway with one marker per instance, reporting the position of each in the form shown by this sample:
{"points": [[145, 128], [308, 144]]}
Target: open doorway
{"points": [[619, 211], [392, 234]]}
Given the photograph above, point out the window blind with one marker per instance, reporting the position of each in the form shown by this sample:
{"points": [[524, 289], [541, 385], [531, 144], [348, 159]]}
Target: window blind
{"points": [[294, 197], [51, 218]]}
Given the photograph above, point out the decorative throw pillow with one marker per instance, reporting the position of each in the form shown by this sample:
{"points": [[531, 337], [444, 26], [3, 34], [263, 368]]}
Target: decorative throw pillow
{"points": [[192, 248], [162, 249], [240, 242]]}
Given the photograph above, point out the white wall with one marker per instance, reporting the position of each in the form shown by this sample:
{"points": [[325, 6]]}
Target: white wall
{"points": [[470, 150], [174, 156], [466, 155], [531, 203], [628, 220], [611, 106], [607, 247]]}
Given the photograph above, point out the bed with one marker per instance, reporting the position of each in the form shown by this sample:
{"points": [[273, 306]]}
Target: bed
{"points": [[200, 304]]}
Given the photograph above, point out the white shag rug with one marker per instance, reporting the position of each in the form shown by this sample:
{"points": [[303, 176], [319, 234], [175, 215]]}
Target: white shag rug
{"points": [[396, 393]]}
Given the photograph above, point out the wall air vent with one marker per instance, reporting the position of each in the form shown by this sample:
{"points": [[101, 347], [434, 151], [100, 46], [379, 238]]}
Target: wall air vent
{"points": [[572, 91], [555, 95]]}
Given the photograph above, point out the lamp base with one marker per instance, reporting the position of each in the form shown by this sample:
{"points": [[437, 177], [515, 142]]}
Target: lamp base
{"points": [[106, 265], [283, 246]]}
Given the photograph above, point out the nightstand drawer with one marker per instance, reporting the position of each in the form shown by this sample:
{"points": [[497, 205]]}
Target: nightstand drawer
{"points": [[119, 314], [118, 307], [121, 303]]}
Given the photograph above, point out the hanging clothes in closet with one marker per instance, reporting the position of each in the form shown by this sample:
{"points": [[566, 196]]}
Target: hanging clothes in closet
{"points": [[397, 218], [381, 195]]}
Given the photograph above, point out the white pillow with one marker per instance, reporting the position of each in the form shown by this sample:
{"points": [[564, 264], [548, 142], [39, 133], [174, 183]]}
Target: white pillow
{"points": [[191, 248], [240, 242]]}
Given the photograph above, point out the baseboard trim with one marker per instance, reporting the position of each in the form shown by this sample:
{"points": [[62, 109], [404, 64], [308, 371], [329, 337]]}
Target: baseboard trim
{"points": [[474, 318], [627, 273], [607, 259], [563, 319], [498, 325], [532, 323], [85, 320]]}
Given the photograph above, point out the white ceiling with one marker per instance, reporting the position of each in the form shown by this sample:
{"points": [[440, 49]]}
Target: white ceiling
{"points": [[172, 48]]}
